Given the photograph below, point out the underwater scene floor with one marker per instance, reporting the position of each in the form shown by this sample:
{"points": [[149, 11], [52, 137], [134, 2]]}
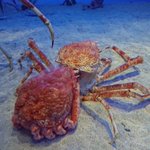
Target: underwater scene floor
{"points": [[125, 26]]}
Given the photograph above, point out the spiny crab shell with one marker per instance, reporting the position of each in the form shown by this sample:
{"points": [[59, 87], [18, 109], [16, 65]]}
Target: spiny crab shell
{"points": [[82, 56], [44, 103]]}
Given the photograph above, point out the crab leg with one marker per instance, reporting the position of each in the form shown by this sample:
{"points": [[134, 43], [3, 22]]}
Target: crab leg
{"points": [[125, 66], [117, 93], [107, 108], [132, 85], [106, 63], [121, 53], [110, 115], [76, 105], [27, 75], [41, 16], [42, 56], [36, 65], [72, 122]]}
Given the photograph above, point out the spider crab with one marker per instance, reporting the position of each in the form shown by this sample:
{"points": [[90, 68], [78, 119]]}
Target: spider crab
{"points": [[84, 57], [48, 104]]}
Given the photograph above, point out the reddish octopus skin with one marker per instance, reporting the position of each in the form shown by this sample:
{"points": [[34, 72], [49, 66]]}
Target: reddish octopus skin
{"points": [[44, 103]]}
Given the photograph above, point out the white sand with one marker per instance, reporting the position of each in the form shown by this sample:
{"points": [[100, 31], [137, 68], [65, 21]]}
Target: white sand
{"points": [[126, 26]]}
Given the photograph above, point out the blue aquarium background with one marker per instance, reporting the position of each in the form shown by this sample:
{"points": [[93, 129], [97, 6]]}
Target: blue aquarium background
{"points": [[121, 23], [54, 2]]}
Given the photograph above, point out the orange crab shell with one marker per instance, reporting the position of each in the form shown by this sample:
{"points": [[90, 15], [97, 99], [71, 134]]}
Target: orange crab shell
{"points": [[82, 55]]}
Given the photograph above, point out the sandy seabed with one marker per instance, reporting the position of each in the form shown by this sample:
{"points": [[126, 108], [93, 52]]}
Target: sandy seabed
{"points": [[126, 26]]}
